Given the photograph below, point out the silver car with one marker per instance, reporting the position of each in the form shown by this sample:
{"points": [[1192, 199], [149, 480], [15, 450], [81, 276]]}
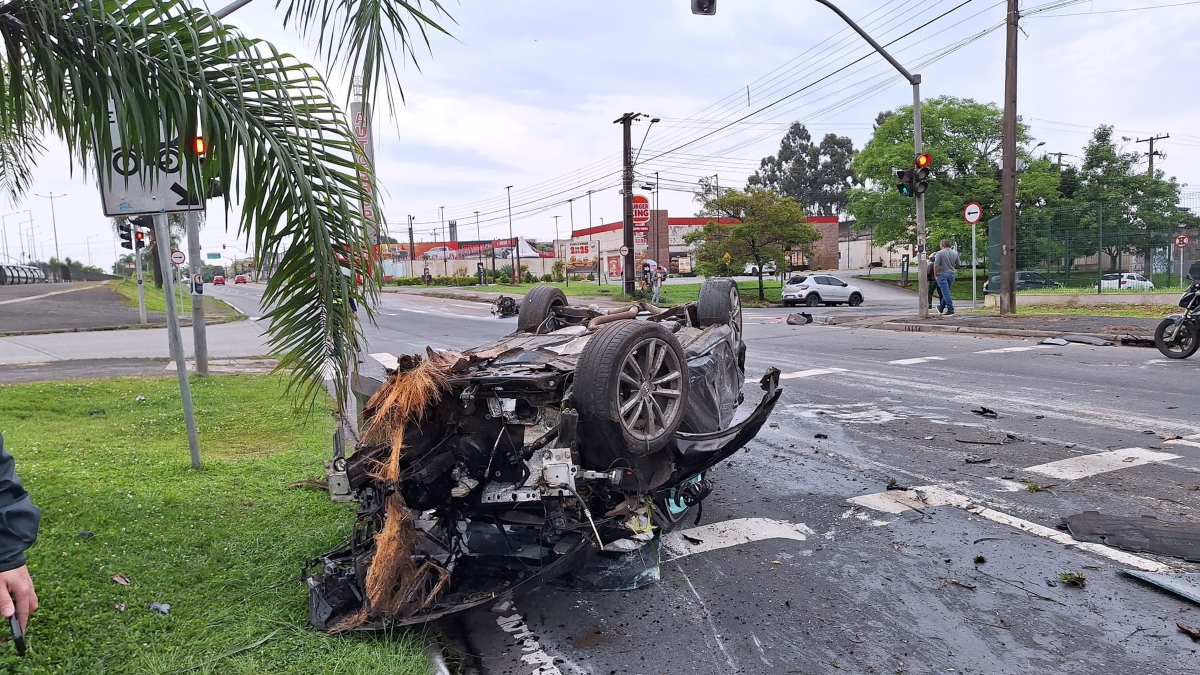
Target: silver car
{"points": [[814, 289]]}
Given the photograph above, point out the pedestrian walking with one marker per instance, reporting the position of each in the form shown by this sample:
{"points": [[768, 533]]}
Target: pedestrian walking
{"points": [[933, 286], [19, 520], [658, 282], [945, 262]]}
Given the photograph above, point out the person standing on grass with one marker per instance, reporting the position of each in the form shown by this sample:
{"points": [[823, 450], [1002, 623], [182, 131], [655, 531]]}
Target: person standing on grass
{"points": [[19, 520], [658, 282], [945, 262]]}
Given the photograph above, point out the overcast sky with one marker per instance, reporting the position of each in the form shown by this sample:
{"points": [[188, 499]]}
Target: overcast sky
{"points": [[525, 94]]}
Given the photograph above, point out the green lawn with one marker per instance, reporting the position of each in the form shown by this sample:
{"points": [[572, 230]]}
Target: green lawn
{"points": [[1128, 311], [156, 300], [211, 544]]}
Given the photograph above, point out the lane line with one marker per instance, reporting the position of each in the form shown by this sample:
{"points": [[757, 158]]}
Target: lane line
{"points": [[811, 373], [1009, 350], [899, 501], [1082, 466], [47, 295], [737, 532], [1180, 441], [913, 362]]}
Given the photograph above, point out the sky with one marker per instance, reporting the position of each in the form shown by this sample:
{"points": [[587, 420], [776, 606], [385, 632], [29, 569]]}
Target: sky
{"points": [[524, 93]]}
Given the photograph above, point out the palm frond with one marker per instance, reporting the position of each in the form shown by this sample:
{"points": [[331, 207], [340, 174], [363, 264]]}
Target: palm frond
{"points": [[276, 138]]}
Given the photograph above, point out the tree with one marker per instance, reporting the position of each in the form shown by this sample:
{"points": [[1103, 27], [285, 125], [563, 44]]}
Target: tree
{"points": [[963, 138], [765, 225], [277, 140], [816, 176]]}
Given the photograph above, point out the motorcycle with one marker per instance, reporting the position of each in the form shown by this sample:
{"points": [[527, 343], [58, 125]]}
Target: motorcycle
{"points": [[1178, 335]]}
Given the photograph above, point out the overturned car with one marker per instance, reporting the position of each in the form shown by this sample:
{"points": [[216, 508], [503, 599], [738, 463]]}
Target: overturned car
{"points": [[483, 473]]}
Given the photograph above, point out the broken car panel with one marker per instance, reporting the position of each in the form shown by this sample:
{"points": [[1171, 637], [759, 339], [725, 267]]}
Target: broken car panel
{"points": [[484, 473]]}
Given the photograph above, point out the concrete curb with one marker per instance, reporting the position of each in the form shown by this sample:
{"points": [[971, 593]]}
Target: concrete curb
{"points": [[974, 330]]}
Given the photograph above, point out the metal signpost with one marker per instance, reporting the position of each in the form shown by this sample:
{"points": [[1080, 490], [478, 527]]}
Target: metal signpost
{"points": [[154, 185], [973, 213], [1181, 242]]}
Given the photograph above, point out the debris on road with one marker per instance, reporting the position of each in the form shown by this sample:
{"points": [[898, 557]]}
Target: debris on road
{"points": [[1136, 341], [892, 484], [1076, 579], [976, 459], [979, 560], [1170, 437], [956, 582], [1193, 633], [986, 412], [821, 436], [799, 319], [1087, 340], [1186, 585], [1144, 534], [1054, 341]]}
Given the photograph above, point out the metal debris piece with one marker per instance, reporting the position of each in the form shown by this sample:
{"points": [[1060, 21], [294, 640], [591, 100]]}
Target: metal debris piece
{"points": [[986, 412], [1088, 340], [1138, 534], [799, 319], [1054, 341], [975, 459], [1186, 586], [821, 436]]}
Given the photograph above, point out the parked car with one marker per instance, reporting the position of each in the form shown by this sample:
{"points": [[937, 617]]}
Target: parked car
{"points": [[218, 280], [486, 472], [752, 270], [1125, 281], [241, 279], [814, 289], [443, 253], [1026, 280]]}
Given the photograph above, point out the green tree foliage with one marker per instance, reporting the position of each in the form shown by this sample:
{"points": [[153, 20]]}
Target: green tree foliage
{"points": [[278, 142], [816, 175], [963, 137], [768, 225]]}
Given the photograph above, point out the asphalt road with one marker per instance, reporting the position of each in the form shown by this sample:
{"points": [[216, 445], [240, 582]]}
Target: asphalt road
{"points": [[811, 565]]}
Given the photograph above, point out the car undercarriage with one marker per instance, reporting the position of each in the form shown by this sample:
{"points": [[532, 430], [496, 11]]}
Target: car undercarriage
{"points": [[583, 435]]}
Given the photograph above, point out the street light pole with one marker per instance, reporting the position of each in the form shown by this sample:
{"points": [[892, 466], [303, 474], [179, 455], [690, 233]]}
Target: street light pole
{"points": [[915, 81], [53, 221], [511, 238], [1008, 169]]}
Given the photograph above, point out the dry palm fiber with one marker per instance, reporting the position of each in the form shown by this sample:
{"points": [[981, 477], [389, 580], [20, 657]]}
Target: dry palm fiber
{"points": [[395, 585]]}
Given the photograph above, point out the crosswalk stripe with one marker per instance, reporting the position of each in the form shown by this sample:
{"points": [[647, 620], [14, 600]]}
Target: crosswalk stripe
{"points": [[912, 362], [1083, 466], [1007, 350]]}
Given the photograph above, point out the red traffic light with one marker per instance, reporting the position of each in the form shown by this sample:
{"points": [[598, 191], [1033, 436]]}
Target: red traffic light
{"points": [[200, 146], [923, 160]]}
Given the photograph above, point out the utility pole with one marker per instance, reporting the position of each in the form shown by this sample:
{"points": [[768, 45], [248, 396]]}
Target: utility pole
{"points": [[1059, 156], [1150, 155], [511, 238], [412, 249], [556, 226], [1008, 170], [54, 221], [445, 249], [626, 121]]}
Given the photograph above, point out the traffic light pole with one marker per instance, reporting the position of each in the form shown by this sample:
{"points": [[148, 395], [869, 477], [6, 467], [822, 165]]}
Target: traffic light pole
{"points": [[199, 333], [137, 256], [189, 415], [922, 262]]}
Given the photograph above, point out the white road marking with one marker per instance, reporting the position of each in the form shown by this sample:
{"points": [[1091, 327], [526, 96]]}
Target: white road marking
{"points": [[1008, 350], [388, 360], [810, 373], [1083, 466], [1182, 441], [851, 413], [913, 362], [898, 501], [725, 534]]}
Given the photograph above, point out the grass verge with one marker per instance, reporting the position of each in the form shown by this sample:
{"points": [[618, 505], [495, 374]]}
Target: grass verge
{"points": [[1125, 311], [215, 311], [212, 544]]}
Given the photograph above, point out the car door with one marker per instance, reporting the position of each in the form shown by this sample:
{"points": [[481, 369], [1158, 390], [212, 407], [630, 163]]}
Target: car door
{"points": [[833, 290]]}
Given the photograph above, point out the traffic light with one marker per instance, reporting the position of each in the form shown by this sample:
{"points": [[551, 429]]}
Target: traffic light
{"points": [[905, 182], [704, 7], [140, 237], [921, 175], [200, 147], [141, 223], [125, 231]]}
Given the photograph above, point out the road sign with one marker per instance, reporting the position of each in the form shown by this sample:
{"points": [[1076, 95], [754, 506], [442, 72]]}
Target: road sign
{"points": [[136, 184], [213, 256], [177, 258], [973, 213], [641, 209], [1182, 240], [624, 251]]}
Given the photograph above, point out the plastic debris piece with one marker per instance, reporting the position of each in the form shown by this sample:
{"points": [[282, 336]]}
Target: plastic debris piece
{"points": [[160, 607], [121, 579], [1054, 341]]}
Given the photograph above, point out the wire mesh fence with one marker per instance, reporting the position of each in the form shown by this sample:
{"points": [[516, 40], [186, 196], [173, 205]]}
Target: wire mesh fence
{"points": [[1137, 246]]}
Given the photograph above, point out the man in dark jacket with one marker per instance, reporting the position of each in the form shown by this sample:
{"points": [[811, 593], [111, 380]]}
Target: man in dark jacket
{"points": [[19, 520]]}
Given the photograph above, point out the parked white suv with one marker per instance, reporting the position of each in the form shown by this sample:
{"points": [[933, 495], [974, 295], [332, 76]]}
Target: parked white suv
{"points": [[1126, 281], [814, 289], [752, 270]]}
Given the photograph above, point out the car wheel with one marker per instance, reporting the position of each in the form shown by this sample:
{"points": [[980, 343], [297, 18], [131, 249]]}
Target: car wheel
{"points": [[812, 300], [721, 304], [787, 303], [537, 304], [855, 299], [631, 383]]}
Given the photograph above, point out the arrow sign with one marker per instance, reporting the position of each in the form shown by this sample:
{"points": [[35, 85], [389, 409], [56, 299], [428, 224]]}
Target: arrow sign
{"points": [[973, 213], [185, 197]]}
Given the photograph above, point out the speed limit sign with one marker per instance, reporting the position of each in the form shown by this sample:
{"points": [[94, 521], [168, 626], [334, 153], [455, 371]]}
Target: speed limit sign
{"points": [[1182, 240]]}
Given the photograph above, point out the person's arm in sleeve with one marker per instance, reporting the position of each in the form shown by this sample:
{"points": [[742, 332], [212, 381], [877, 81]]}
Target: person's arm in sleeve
{"points": [[19, 520]]}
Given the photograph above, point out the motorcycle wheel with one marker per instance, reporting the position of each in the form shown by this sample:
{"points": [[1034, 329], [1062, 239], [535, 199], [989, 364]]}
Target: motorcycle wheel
{"points": [[1182, 344]]}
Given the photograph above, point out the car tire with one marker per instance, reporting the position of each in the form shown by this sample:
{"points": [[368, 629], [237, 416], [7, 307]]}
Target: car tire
{"points": [[612, 387], [720, 304], [812, 300], [787, 303], [537, 304], [855, 299]]}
